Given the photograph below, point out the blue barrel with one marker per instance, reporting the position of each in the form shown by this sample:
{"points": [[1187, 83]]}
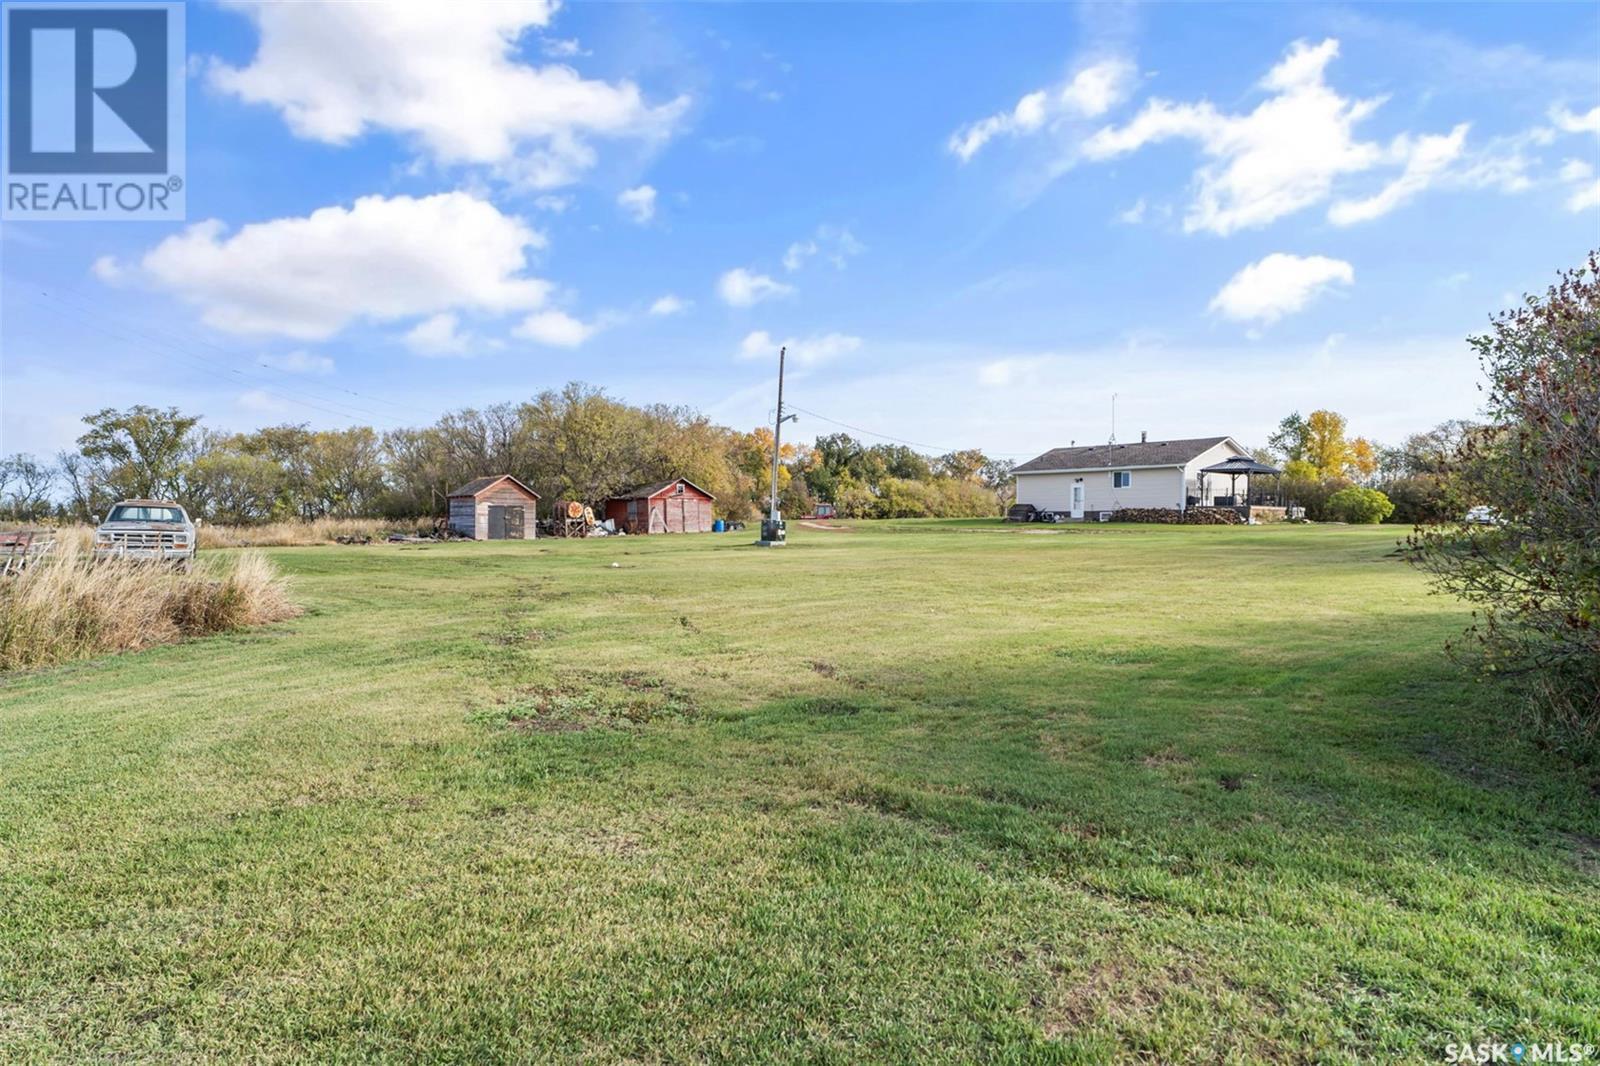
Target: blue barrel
{"points": [[719, 526]]}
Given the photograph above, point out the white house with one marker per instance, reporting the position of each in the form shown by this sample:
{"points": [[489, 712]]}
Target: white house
{"points": [[1109, 477]]}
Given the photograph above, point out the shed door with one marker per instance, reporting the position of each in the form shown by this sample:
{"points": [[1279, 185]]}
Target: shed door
{"points": [[505, 523], [658, 516]]}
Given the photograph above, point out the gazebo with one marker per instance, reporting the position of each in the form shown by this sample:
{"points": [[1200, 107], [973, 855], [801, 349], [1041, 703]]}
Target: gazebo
{"points": [[1246, 467]]}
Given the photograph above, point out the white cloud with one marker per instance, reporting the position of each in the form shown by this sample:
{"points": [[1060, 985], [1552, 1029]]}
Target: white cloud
{"points": [[670, 305], [1503, 163], [445, 75], [299, 362], [1570, 122], [562, 48], [1583, 186], [1279, 285], [380, 259], [555, 203], [108, 270], [1089, 93], [638, 203], [836, 244], [1426, 158], [261, 402], [742, 288], [556, 329], [1283, 156], [999, 373], [438, 335], [1134, 215], [807, 351]]}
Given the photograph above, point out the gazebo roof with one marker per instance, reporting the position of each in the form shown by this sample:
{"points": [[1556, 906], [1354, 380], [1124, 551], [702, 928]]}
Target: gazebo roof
{"points": [[1240, 464]]}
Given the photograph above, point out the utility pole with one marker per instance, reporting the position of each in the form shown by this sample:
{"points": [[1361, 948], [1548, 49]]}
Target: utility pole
{"points": [[772, 530]]}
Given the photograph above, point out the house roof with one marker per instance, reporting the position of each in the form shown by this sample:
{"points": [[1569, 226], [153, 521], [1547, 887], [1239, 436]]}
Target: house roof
{"points": [[479, 485], [1118, 456], [644, 492]]}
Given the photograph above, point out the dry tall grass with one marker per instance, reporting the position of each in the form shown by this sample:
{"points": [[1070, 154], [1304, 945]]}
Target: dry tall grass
{"points": [[67, 606], [316, 531], [278, 534]]}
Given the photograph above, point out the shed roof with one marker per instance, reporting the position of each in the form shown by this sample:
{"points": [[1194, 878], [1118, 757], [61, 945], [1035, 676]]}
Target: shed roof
{"points": [[645, 492], [1117, 456], [478, 486]]}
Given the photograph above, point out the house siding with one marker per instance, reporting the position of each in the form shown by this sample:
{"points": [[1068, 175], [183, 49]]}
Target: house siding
{"points": [[1150, 487], [1216, 485]]}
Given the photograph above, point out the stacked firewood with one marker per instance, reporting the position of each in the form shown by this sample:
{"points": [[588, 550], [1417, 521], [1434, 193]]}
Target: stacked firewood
{"points": [[1171, 516]]}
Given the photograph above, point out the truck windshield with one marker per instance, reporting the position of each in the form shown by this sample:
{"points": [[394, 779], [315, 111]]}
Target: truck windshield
{"points": [[127, 512]]}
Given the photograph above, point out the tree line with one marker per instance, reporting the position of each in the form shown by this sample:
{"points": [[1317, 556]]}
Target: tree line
{"points": [[574, 443], [1337, 477]]}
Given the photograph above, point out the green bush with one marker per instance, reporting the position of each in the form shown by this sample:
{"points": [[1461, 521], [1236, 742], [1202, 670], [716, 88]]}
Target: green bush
{"points": [[1360, 506]]}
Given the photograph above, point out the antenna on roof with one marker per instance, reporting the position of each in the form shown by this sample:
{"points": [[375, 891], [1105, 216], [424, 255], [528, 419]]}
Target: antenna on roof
{"points": [[1113, 439]]}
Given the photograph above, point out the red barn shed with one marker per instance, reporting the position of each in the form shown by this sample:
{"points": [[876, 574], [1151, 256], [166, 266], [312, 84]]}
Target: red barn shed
{"points": [[676, 506]]}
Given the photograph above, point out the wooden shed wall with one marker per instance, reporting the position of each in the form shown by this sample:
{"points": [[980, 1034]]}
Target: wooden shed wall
{"points": [[470, 515], [666, 512]]}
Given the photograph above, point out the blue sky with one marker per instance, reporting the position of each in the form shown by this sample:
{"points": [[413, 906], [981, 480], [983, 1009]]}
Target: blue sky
{"points": [[973, 224]]}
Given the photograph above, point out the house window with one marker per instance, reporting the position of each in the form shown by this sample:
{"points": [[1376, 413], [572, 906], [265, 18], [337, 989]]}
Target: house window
{"points": [[1121, 479], [679, 489]]}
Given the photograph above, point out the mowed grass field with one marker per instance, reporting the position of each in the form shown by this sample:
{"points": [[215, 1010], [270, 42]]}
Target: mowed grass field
{"points": [[917, 791]]}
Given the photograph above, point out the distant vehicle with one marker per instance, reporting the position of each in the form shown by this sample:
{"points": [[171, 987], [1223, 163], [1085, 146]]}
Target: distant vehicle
{"points": [[1022, 512], [1482, 516], [157, 530], [823, 510]]}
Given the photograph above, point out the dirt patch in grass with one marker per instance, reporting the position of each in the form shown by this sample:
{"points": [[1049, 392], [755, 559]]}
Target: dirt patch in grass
{"points": [[1465, 764], [1116, 990], [514, 638], [1167, 756], [830, 705], [826, 669], [1585, 853], [588, 701]]}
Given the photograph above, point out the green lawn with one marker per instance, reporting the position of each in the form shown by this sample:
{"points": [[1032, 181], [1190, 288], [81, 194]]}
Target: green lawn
{"points": [[916, 791]]}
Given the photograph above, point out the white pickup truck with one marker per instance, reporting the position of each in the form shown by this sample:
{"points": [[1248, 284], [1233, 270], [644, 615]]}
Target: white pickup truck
{"points": [[147, 529]]}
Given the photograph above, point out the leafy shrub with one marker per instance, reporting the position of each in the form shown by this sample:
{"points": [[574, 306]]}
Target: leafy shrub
{"points": [[1359, 506], [1534, 575], [1307, 488], [907, 498], [1420, 499]]}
